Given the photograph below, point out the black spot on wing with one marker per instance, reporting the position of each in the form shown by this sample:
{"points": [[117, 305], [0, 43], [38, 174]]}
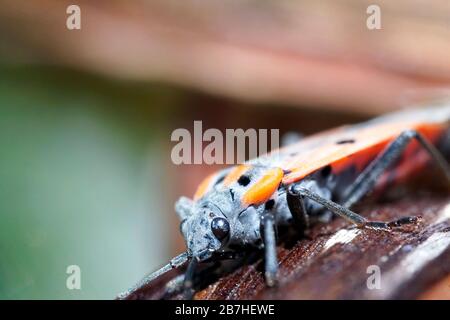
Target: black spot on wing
{"points": [[345, 141], [244, 180]]}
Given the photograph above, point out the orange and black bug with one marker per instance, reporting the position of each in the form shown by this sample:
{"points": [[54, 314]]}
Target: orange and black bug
{"points": [[309, 181]]}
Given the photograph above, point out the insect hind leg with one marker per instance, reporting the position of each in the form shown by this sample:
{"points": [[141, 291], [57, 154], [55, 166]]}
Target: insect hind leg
{"points": [[367, 180], [344, 212]]}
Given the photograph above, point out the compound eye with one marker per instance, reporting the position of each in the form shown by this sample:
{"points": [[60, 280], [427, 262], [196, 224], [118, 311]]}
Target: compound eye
{"points": [[220, 228]]}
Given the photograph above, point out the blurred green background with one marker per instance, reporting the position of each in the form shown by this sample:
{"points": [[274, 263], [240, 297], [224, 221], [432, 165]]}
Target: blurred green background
{"points": [[81, 181]]}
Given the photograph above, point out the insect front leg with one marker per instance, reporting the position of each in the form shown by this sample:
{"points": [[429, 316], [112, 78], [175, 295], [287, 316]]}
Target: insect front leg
{"points": [[178, 284], [366, 181], [188, 282], [174, 263], [268, 227], [353, 217]]}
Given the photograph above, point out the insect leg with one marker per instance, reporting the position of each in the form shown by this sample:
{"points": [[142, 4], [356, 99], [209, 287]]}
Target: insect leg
{"points": [[368, 178], [174, 263], [269, 239], [297, 208], [189, 279], [349, 215]]}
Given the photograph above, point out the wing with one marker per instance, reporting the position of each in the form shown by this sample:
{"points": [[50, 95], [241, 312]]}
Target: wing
{"points": [[353, 144]]}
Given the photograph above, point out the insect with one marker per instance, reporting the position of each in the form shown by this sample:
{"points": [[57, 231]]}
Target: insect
{"points": [[320, 176]]}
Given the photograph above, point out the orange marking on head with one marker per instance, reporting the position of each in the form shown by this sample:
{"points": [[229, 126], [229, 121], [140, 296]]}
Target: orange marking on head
{"points": [[234, 175], [203, 187], [263, 189]]}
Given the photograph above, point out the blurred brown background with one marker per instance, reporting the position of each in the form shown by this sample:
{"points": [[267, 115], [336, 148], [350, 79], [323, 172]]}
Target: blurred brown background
{"points": [[86, 115]]}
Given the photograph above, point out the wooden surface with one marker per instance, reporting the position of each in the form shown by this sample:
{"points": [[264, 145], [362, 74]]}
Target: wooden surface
{"points": [[333, 262]]}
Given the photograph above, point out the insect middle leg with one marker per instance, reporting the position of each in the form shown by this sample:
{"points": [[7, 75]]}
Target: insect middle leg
{"points": [[296, 205], [270, 250], [367, 180]]}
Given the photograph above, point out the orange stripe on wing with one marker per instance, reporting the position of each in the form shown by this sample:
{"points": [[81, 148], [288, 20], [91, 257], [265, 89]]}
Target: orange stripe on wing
{"points": [[203, 187], [234, 175], [263, 189]]}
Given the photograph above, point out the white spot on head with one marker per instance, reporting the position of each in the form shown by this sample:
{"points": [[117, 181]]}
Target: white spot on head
{"points": [[342, 236]]}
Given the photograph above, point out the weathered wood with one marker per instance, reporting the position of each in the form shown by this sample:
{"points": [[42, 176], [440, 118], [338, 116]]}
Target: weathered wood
{"points": [[334, 261]]}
